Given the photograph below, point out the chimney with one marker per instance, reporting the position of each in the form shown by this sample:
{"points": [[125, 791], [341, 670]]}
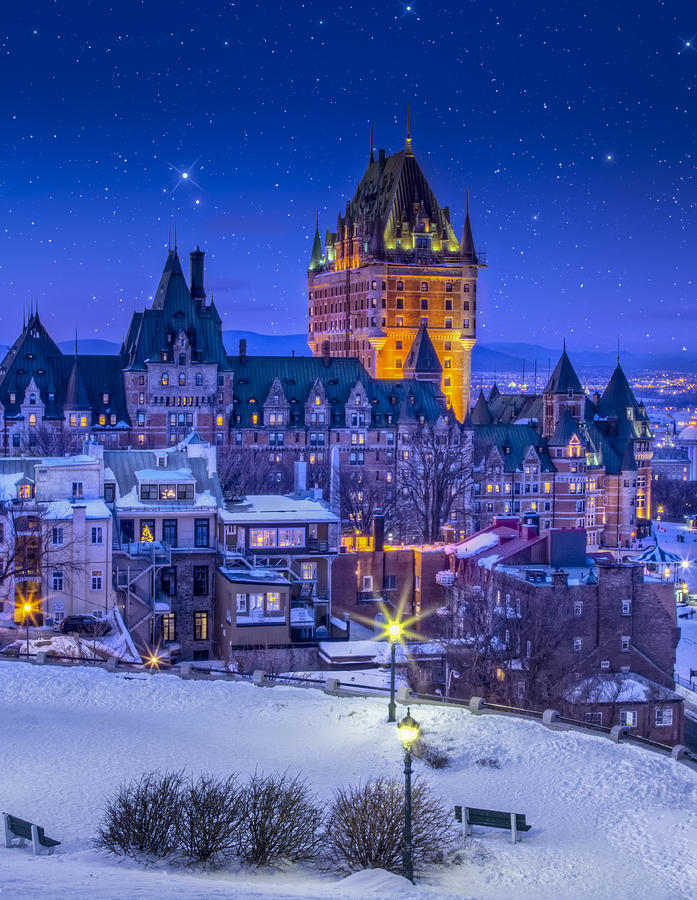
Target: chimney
{"points": [[325, 352], [198, 294], [243, 351], [299, 477], [378, 531]]}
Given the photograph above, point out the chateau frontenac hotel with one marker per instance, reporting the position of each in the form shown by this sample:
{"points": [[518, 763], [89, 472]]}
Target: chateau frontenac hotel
{"points": [[392, 300]]}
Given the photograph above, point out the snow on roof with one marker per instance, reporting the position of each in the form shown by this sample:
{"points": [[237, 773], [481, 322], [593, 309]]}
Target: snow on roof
{"points": [[63, 509], [164, 475], [276, 508], [377, 651], [619, 688], [474, 545], [82, 460], [253, 576]]}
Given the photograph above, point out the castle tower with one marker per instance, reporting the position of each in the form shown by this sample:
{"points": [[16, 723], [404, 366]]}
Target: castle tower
{"points": [[393, 265]]}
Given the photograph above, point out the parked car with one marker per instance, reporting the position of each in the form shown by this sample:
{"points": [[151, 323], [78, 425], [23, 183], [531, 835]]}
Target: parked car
{"points": [[88, 625]]}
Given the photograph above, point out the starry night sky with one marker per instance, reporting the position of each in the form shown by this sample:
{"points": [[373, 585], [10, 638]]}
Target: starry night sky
{"points": [[573, 124]]}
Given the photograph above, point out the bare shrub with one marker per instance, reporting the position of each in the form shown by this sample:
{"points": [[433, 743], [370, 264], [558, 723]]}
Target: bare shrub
{"points": [[209, 827], [435, 758], [489, 762], [365, 829], [140, 819], [282, 820]]}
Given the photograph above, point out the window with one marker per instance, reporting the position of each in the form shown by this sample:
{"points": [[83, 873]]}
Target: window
{"points": [[141, 417], [593, 718], [97, 534], [448, 288], [400, 302], [57, 581], [308, 571], [32, 419], [390, 582], [73, 420], [165, 379], [182, 379], [273, 602], [367, 582], [626, 607], [168, 579], [291, 537], [628, 718], [77, 490], [578, 608], [201, 533], [185, 492], [57, 536], [262, 537], [578, 644], [424, 303], [424, 287], [626, 640], [200, 626], [199, 379], [169, 629], [241, 603], [166, 492], [147, 530], [664, 715], [24, 491], [169, 531], [200, 581], [96, 580], [448, 323]]}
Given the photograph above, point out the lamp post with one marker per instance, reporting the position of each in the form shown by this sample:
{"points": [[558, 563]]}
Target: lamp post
{"points": [[408, 732], [27, 611], [394, 631]]}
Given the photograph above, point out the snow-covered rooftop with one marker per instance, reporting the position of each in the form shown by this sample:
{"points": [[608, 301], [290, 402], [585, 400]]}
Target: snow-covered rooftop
{"points": [[276, 508]]}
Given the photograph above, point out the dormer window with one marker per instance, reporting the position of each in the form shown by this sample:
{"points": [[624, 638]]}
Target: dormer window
{"points": [[32, 399], [358, 400], [51, 397], [276, 399], [182, 359], [105, 398], [32, 420], [13, 397], [317, 400], [164, 356], [571, 392], [630, 413], [24, 491]]}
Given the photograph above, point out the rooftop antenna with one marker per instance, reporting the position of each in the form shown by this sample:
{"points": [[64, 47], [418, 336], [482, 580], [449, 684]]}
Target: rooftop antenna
{"points": [[76, 342], [407, 144], [523, 382], [535, 388], [372, 153], [175, 237], [618, 351]]}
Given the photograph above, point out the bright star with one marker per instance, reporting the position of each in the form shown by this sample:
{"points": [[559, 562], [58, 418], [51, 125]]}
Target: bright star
{"points": [[185, 175], [688, 44], [408, 9]]}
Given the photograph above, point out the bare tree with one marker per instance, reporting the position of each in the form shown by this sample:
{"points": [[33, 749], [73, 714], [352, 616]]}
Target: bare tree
{"points": [[362, 495], [434, 477], [47, 440], [252, 471]]}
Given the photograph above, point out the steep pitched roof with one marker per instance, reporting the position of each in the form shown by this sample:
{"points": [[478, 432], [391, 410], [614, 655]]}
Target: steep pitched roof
{"points": [[422, 360], [316, 255], [404, 400], [618, 397], [567, 427], [481, 414], [173, 311], [513, 443], [564, 378], [76, 391]]}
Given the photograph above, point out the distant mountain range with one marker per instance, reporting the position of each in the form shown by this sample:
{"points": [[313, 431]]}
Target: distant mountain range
{"points": [[499, 356]]}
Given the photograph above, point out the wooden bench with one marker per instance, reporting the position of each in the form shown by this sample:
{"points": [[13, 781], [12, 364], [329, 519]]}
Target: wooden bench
{"points": [[19, 829], [491, 818]]}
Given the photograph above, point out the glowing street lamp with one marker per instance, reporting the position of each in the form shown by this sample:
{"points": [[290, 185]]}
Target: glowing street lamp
{"points": [[408, 730], [27, 614], [394, 633]]}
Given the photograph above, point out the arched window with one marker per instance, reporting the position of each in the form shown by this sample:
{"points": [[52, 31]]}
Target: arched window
{"points": [[182, 378], [466, 289], [165, 379], [199, 379]]}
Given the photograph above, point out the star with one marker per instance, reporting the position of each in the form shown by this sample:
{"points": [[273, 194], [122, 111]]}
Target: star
{"points": [[184, 175], [408, 9], [688, 45]]}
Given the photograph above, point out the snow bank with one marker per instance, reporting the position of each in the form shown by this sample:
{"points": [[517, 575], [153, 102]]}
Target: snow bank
{"points": [[477, 544], [608, 821]]}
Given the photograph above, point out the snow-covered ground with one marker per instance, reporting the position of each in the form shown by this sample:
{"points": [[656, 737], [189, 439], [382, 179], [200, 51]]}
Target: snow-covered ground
{"points": [[608, 821]]}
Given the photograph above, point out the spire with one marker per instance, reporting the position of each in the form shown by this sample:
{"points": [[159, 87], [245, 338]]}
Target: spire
{"points": [[422, 361], [481, 414], [467, 242], [316, 257], [407, 144], [372, 153], [564, 377]]}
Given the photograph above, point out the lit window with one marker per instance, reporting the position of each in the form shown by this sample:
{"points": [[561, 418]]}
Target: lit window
{"points": [[102, 420], [273, 602], [182, 378], [24, 491], [32, 419], [105, 398], [73, 419], [200, 626], [165, 379], [219, 420], [83, 421], [664, 715], [628, 718]]}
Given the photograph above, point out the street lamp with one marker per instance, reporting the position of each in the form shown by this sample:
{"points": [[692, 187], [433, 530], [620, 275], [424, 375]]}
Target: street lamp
{"points": [[394, 632], [27, 611], [408, 732]]}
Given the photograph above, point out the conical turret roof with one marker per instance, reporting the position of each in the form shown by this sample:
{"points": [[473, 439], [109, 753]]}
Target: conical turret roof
{"points": [[316, 257], [564, 377], [422, 359], [76, 393], [481, 414]]}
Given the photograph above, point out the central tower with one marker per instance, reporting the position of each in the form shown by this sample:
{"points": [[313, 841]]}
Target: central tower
{"points": [[393, 265]]}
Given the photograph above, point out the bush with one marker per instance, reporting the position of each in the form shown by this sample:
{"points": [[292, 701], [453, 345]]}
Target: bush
{"points": [[282, 820], [209, 828], [365, 829], [435, 758], [141, 818], [490, 762]]}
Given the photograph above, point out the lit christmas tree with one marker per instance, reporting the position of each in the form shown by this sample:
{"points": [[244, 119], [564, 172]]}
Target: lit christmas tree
{"points": [[146, 535]]}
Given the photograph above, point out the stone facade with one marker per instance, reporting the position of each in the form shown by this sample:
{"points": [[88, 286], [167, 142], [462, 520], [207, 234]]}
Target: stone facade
{"points": [[392, 265]]}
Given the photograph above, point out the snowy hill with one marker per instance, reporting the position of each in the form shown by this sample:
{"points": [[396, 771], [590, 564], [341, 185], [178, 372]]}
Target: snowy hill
{"points": [[608, 821]]}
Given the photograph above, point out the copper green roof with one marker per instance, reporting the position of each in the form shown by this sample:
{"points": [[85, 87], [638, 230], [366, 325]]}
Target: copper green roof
{"points": [[513, 442], [564, 378]]}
